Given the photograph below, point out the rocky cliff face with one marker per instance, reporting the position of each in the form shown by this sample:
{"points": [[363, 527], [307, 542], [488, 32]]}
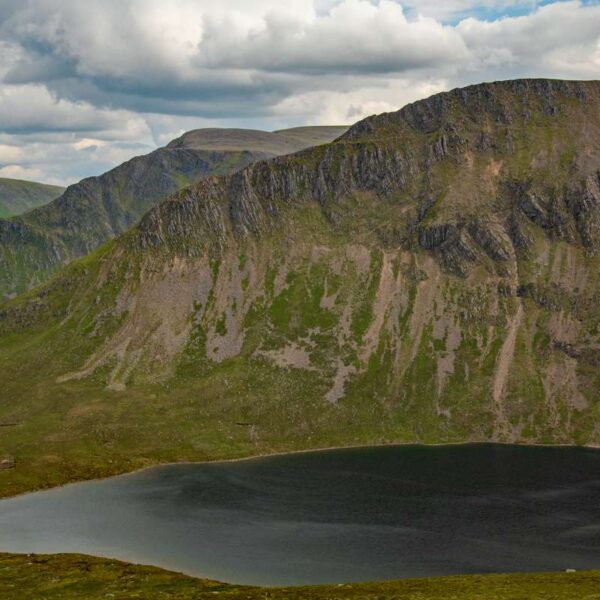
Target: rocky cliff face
{"points": [[430, 276], [470, 171], [97, 209]]}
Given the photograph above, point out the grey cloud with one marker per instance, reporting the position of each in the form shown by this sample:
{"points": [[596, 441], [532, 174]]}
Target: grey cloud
{"points": [[39, 68], [32, 108]]}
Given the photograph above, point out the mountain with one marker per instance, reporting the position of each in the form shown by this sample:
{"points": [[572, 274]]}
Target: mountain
{"points": [[93, 211], [430, 276], [18, 196]]}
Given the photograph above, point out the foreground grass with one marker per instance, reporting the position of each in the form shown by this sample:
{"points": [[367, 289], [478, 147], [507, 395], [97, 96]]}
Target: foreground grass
{"points": [[68, 576]]}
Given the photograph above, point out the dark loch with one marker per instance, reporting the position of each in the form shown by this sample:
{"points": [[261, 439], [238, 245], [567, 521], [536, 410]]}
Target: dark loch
{"points": [[332, 516]]}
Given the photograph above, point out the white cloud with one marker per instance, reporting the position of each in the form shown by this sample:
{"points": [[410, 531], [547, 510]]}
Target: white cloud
{"points": [[20, 172], [10, 154], [331, 107], [355, 36], [558, 40], [62, 158]]}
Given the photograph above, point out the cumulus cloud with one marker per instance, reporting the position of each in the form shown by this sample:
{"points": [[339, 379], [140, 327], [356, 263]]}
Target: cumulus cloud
{"points": [[87, 82], [20, 172], [11, 154], [354, 37], [340, 107], [558, 40]]}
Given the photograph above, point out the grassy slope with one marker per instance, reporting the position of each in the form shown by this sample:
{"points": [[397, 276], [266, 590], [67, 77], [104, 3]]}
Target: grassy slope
{"points": [[71, 576], [18, 196], [315, 135]]}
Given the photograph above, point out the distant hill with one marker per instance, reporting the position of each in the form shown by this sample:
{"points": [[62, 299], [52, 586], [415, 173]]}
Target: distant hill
{"points": [[93, 211], [18, 196], [275, 143]]}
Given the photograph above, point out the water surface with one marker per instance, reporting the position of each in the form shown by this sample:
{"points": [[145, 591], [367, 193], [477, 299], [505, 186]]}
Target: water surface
{"points": [[333, 516]]}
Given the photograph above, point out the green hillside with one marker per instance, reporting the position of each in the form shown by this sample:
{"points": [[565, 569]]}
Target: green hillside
{"points": [[431, 276], [18, 196], [73, 576]]}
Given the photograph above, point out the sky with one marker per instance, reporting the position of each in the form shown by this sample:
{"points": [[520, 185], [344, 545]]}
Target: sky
{"points": [[87, 84]]}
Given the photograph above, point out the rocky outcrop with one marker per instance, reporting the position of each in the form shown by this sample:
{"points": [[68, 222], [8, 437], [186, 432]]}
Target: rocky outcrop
{"points": [[493, 239], [92, 212], [585, 207]]}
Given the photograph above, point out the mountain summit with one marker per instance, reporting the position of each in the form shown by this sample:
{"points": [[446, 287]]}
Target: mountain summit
{"points": [[430, 276]]}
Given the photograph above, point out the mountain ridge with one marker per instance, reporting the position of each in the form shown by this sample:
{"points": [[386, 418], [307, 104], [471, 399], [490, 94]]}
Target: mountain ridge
{"points": [[96, 209]]}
